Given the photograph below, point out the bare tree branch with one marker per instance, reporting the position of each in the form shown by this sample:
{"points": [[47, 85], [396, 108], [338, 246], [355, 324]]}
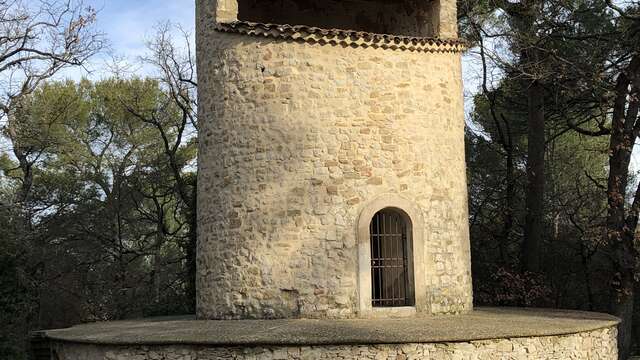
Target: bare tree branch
{"points": [[39, 38]]}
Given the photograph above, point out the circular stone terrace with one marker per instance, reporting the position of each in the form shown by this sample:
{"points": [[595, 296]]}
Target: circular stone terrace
{"points": [[494, 332]]}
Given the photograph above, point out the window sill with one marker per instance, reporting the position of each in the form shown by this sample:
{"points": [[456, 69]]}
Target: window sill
{"points": [[392, 312]]}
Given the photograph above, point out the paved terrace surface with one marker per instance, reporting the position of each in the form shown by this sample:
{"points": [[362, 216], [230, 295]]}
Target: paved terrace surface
{"points": [[482, 324]]}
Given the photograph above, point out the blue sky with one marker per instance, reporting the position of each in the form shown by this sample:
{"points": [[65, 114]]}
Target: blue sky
{"points": [[127, 24]]}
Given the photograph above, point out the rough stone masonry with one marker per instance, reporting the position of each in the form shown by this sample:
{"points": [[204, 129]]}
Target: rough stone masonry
{"points": [[595, 345], [484, 334], [296, 139]]}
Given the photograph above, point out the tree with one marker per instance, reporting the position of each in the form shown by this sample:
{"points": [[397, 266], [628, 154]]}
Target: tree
{"points": [[585, 53], [523, 35], [108, 226], [534, 39], [37, 40], [40, 38], [177, 77], [619, 120]]}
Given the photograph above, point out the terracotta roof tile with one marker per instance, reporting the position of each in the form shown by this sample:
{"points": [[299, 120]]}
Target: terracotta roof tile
{"points": [[314, 35]]}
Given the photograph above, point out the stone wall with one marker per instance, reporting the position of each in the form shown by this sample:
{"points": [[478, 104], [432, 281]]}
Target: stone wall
{"points": [[594, 345], [378, 16], [434, 18], [296, 139]]}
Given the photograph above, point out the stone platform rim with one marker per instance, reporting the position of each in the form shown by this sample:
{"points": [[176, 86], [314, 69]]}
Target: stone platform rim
{"points": [[484, 323]]}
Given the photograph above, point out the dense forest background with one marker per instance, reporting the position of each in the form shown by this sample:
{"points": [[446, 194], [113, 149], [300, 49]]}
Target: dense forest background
{"points": [[98, 177]]}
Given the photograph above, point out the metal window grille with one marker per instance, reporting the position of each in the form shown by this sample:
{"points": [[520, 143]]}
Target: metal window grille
{"points": [[389, 265]]}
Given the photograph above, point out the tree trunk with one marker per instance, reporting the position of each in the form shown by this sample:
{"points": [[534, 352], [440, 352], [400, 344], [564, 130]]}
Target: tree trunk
{"points": [[585, 259], [507, 212], [26, 167], [157, 256], [621, 234], [623, 309], [621, 226], [635, 321], [191, 252], [534, 231]]}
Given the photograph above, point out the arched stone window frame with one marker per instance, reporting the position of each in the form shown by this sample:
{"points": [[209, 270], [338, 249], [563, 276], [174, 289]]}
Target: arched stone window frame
{"points": [[415, 233]]}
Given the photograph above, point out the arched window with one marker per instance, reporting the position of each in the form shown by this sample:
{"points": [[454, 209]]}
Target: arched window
{"points": [[391, 264]]}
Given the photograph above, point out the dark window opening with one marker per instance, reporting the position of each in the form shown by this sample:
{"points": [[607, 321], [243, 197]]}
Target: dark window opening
{"points": [[397, 17], [391, 273]]}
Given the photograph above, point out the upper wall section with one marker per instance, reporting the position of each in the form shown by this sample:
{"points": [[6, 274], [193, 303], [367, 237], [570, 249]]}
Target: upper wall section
{"points": [[413, 18], [375, 16]]}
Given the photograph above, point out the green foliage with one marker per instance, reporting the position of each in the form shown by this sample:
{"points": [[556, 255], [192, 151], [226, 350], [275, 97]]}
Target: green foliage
{"points": [[576, 168], [16, 292], [569, 67], [584, 54], [102, 233], [513, 288]]}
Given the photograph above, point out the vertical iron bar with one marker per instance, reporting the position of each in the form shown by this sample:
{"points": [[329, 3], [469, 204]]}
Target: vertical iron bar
{"points": [[394, 269], [389, 237], [389, 294], [379, 261], [403, 295], [373, 262], [405, 264], [389, 257], [383, 256], [399, 262], [394, 246]]}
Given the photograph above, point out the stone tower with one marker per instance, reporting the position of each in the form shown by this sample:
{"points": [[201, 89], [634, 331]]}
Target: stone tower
{"points": [[331, 168], [332, 185]]}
